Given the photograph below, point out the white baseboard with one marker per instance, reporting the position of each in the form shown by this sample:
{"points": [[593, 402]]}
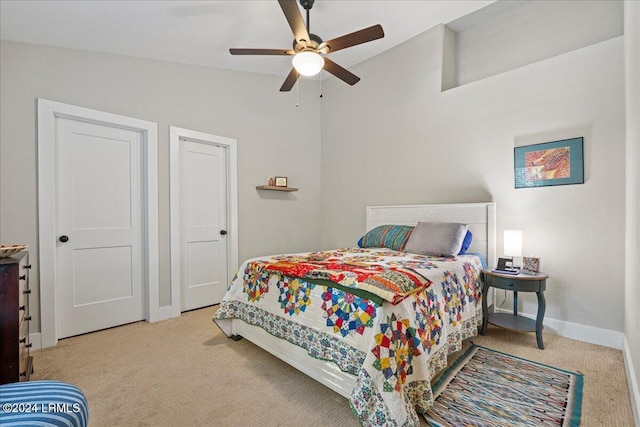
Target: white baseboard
{"points": [[166, 312], [632, 381], [590, 334]]}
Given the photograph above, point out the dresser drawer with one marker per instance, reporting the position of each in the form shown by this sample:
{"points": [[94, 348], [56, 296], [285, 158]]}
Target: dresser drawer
{"points": [[23, 309], [516, 285], [23, 299], [23, 284], [23, 328], [24, 346], [23, 352], [26, 364]]}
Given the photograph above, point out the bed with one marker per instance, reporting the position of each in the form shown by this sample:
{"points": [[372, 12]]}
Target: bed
{"points": [[374, 324]]}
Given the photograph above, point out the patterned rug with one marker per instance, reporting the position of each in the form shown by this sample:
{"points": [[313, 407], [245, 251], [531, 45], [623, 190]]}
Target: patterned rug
{"points": [[485, 387]]}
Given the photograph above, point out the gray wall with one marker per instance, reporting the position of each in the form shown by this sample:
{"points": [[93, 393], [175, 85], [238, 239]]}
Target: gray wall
{"points": [[396, 138], [632, 259], [536, 30], [274, 138]]}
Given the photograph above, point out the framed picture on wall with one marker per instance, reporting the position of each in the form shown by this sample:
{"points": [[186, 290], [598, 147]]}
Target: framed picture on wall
{"points": [[281, 181], [549, 163]]}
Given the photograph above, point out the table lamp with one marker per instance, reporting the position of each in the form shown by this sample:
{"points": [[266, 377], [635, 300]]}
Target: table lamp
{"points": [[513, 246]]}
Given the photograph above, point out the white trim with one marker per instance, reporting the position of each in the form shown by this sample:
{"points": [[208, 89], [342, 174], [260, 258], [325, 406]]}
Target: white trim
{"points": [[152, 266], [231, 149], [576, 331], [634, 387], [165, 312], [47, 113]]}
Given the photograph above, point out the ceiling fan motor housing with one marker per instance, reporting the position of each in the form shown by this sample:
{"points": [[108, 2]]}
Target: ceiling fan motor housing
{"points": [[310, 45]]}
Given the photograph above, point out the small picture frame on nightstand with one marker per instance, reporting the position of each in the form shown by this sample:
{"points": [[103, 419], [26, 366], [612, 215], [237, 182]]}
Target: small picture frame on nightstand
{"points": [[530, 264], [281, 181]]}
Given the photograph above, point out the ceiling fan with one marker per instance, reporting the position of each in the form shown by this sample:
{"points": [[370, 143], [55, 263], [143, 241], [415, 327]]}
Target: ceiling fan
{"points": [[309, 51]]}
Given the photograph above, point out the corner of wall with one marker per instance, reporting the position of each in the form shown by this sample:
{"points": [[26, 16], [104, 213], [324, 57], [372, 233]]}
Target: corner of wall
{"points": [[634, 387], [449, 54], [632, 209]]}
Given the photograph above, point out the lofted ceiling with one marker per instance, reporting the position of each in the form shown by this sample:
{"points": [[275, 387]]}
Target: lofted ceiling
{"points": [[201, 32]]}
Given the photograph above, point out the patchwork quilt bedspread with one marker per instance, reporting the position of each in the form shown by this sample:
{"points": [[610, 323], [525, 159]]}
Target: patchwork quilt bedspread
{"points": [[389, 318]]}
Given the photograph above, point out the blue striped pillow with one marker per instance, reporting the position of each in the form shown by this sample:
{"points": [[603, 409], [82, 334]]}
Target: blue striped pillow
{"points": [[386, 236]]}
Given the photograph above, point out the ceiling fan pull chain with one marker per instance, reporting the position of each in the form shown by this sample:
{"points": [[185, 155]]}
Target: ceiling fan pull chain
{"points": [[297, 89]]}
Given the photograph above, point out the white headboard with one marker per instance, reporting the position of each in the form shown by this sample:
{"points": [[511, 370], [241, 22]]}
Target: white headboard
{"points": [[480, 217]]}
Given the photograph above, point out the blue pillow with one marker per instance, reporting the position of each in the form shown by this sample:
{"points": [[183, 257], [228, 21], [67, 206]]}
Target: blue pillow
{"points": [[466, 243], [386, 236]]}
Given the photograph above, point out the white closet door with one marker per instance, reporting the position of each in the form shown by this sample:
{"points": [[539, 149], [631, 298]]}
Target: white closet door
{"points": [[203, 218], [99, 226]]}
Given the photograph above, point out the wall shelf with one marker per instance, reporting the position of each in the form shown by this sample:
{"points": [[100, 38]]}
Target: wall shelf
{"points": [[274, 188]]}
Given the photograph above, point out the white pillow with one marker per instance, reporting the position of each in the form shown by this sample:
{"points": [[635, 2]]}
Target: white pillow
{"points": [[436, 238]]}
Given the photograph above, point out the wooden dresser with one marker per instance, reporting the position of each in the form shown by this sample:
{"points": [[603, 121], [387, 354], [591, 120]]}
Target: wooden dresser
{"points": [[15, 362]]}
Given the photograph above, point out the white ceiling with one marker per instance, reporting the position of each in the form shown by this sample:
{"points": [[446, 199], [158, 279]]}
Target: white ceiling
{"points": [[201, 32]]}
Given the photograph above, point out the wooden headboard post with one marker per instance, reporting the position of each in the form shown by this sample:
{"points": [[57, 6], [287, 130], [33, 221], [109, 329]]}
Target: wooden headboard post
{"points": [[480, 217]]}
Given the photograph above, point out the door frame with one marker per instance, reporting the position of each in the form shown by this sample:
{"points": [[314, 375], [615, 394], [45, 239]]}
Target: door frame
{"points": [[231, 155], [48, 111]]}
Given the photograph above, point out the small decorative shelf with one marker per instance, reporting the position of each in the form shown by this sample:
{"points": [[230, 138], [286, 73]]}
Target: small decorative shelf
{"points": [[274, 188]]}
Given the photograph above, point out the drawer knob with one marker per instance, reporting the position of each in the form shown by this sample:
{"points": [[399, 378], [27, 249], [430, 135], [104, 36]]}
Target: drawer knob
{"points": [[23, 277], [26, 291], [23, 374], [22, 308], [28, 318], [23, 340], [27, 266], [29, 345], [510, 285]]}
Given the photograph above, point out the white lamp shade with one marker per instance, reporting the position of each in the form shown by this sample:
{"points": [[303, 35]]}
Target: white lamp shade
{"points": [[308, 63], [513, 242]]}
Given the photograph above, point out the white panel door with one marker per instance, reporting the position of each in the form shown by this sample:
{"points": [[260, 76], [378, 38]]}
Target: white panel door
{"points": [[99, 227], [203, 219]]}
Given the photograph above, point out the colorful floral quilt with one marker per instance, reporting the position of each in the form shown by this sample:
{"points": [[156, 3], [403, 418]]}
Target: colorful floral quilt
{"points": [[392, 338], [391, 283]]}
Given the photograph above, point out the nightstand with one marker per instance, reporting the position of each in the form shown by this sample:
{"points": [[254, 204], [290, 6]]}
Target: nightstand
{"points": [[517, 283]]}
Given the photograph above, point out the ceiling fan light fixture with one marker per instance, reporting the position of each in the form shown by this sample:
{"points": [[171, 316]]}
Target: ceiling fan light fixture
{"points": [[308, 63], [309, 49]]}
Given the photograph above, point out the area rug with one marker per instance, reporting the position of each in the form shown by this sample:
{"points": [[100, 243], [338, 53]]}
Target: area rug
{"points": [[485, 387]]}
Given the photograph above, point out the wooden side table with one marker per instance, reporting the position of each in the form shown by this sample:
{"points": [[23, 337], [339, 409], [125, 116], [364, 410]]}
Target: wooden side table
{"points": [[517, 283]]}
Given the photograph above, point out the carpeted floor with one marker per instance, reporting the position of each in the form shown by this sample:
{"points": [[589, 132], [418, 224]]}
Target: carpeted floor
{"points": [[184, 371]]}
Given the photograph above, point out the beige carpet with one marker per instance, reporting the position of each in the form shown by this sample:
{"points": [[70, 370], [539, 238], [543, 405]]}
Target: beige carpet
{"points": [[184, 371]]}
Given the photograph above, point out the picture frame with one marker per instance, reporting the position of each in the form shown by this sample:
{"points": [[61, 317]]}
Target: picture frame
{"points": [[281, 181], [549, 163], [531, 264]]}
